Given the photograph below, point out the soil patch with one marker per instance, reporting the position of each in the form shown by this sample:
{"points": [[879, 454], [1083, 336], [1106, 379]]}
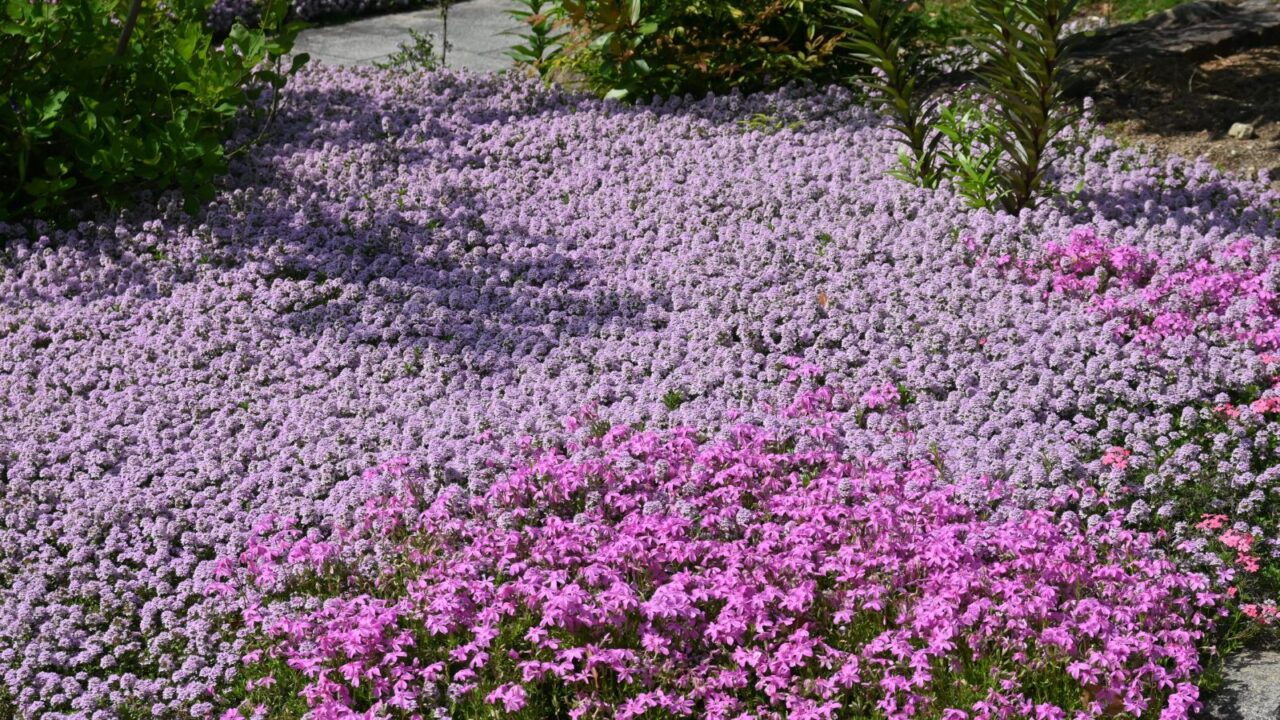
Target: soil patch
{"points": [[1179, 82], [1188, 108]]}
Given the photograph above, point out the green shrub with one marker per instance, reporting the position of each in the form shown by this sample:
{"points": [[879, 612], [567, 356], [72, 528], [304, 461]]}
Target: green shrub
{"points": [[101, 98], [417, 53], [540, 43], [638, 48], [1024, 45], [970, 150], [883, 37]]}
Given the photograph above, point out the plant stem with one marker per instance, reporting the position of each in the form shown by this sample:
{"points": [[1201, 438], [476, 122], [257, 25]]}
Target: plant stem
{"points": [[444, 32], [129, 23]]}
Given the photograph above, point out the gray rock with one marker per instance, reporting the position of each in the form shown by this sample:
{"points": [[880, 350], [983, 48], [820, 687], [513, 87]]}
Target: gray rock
{"points": [[1250, 689], [1242, 131], [1198, 31]]}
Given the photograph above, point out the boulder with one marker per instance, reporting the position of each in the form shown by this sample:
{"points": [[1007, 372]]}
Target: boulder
{"points": [[1250, 688], [1197, 31]]}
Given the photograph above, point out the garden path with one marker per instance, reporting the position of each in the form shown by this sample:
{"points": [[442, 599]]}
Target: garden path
{"points": [[477, 36]]}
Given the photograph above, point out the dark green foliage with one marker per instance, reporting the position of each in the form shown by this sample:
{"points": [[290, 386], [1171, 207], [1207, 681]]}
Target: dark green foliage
{"points": [[634, 49], [970, 152], [540, 43], [882, 36], [1024, 45], [993, 155], [93, 105], [674, 399]]}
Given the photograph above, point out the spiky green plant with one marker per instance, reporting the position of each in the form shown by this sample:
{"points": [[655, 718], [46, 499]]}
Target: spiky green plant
{"points": [[540, 43], [1023, 44], [880, 37]]}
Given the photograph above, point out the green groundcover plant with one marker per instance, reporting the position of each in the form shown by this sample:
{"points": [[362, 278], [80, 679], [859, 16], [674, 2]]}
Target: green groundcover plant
{"points": [[101, 98]]}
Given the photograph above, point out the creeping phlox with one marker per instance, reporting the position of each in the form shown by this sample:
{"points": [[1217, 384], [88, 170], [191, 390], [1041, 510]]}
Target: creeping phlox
{"points": [[755, 574], [223, 13], [1217, 295]]}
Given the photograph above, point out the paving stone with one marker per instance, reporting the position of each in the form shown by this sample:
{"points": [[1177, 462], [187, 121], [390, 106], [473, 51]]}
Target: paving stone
{"points": [[1250, 691], [479, 36]]}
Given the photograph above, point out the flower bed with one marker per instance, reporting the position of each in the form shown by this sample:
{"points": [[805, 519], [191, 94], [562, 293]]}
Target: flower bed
{"points": [[641, 572], [225, 12], [413, 262]]}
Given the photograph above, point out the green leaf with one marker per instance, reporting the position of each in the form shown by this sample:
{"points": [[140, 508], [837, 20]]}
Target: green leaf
{"points": [[53, 105], [185, 44], [635, 11], [55, 166]]}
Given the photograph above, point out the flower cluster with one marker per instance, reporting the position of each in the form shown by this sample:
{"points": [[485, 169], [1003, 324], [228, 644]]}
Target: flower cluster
{"points": [[1223, 294], [643, 571], [1237, 540], [411, 261], [1085, 263]]}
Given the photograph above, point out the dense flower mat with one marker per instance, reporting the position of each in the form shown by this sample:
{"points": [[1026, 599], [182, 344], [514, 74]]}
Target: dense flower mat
{"points": [[436, 266], [639, 572], [224, 13]]}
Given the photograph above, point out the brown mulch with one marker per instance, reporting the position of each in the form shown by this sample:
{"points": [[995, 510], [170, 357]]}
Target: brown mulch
{"points": [[1184, 107]]}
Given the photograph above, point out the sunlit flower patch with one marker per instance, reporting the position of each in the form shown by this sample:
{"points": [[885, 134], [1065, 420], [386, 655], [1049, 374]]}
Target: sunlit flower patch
{"points": [[640, 572], [436, 266]]}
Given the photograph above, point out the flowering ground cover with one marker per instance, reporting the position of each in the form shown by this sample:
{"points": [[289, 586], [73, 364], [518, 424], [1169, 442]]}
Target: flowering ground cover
{"points": [[533, 297], [224, 13], [637, 572]]}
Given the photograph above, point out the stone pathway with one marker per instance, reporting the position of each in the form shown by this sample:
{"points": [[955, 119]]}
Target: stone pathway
{"points": [[476, 36], [1251, 689]]}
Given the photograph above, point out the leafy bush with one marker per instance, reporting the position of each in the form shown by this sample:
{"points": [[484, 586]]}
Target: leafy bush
{"points": [[1024, 45], [638, 48], [103, 97], [969, 149], [882, 37], [541, 42]]}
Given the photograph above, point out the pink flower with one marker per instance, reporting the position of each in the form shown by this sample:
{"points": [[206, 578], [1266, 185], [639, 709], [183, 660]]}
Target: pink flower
{"points": [[1211, 522], [1237, 540], [511, 695], [1116, 457], [1265, 405], [881, 396]]}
